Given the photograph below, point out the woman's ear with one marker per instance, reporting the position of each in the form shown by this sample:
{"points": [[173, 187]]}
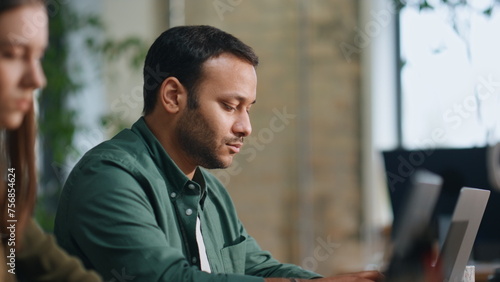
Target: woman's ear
{"points": [[172, 96]]}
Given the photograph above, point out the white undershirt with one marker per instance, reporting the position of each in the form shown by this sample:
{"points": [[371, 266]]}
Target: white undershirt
{"points": [[201, 248]]}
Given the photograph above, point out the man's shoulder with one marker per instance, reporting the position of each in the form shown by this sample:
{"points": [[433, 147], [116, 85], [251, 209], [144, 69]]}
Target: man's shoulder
{"points": [[123, 146], [116, 165], [125, 152]]}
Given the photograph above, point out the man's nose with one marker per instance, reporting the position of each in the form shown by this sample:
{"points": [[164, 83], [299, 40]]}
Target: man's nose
{"points": [[242, 127]]}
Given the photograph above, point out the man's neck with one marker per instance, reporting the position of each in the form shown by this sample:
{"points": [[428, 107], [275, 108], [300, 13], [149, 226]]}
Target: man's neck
{"points": [[170, 145]]}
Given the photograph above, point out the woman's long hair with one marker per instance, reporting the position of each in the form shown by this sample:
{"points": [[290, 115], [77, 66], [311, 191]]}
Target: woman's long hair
{"points": [[19, 161], [17, 155]]}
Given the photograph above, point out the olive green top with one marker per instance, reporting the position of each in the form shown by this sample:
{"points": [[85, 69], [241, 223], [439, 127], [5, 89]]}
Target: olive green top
{"points": [[41, 260]]}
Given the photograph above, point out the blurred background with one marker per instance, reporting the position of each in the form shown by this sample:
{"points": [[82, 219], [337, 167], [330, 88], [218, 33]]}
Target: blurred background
{"points": [[340, 81]]}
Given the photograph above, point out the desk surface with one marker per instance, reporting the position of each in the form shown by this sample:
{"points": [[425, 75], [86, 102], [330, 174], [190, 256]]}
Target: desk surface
{"points": [[483, 270]]}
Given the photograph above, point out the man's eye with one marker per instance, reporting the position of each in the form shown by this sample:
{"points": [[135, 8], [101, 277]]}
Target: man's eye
{"points": [[229, 108]]}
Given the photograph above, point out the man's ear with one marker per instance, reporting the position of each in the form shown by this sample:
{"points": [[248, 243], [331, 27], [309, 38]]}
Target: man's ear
{"points": [[173, 95]]}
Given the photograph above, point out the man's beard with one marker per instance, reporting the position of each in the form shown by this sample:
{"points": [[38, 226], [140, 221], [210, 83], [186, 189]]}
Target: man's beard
{"points": [[198, 139]]}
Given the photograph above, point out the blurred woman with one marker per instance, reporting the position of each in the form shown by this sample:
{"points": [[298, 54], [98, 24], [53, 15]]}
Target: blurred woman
{"points": [[26, 253]]}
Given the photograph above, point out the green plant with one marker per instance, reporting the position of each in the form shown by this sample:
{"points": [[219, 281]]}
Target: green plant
{"points": [[56, 120]]}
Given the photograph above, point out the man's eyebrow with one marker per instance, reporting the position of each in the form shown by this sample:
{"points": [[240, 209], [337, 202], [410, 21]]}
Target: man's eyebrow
{"points": [[239, 97]]}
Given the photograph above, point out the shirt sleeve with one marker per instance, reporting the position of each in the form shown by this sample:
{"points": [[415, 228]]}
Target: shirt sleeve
{"points": [[261, 263], [41, 260], [112, 226]]}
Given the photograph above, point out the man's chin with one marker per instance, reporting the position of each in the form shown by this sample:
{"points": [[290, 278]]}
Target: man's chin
{"points": [[220, 164], [228, 162]]}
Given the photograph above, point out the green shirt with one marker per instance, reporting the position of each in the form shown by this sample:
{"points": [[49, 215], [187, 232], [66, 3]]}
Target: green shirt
{"points": [[129, 212]]}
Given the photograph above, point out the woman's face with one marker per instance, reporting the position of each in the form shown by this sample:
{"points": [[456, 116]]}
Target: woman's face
{"points": [[23, 39]]}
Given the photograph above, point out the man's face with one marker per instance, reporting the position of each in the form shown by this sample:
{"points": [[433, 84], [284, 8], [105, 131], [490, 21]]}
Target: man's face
{"points": [[213, 133]]}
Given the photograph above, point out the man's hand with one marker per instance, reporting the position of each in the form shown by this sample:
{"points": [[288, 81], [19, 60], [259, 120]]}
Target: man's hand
{"points": [[364, 276]]}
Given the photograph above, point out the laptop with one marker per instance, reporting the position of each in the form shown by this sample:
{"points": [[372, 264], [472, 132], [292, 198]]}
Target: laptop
{"points": [[462, 232], [417, 210], [414, 232]]}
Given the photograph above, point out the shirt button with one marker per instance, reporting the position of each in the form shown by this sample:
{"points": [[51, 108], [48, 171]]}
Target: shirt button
{"points": [[189, 212], [194, 259], [191, 186], [173, 195]]}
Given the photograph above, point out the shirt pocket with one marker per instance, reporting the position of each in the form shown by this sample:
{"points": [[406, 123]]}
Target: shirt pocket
{"points": [[234, 256]]}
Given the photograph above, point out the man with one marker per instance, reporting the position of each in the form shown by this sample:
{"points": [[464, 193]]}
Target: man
{"points": [[141, 205]]}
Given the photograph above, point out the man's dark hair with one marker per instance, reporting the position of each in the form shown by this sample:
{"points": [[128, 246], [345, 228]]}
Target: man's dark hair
{"points": [[180, 52]]}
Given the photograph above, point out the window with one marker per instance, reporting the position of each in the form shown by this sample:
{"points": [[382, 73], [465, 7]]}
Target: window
{"points": [[450, 75]]}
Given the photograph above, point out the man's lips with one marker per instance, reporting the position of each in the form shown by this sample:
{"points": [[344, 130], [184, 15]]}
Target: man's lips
{"points": [[235, 147]]}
